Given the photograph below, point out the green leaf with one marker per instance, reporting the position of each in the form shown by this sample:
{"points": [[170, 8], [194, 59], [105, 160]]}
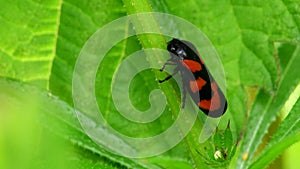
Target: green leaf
{"points": [[170, 162], [286, 135], [73, 33], [265, 109], [28, 39], [55, 116]]}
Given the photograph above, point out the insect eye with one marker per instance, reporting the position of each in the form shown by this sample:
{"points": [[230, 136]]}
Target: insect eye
{"points": [[173, 48], [180, 52]]}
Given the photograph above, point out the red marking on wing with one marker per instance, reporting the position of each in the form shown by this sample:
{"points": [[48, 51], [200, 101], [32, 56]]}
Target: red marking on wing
{"points": [[214, 102], [194, 66], [197, 84]]}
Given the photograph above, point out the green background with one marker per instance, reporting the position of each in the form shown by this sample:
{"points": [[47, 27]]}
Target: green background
{"points": [[258, 44]]}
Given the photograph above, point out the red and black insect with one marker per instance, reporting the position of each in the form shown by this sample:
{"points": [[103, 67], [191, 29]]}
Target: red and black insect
{"points": [[202, 87]]}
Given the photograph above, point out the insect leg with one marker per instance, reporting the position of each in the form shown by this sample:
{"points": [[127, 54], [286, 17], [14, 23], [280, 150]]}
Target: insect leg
{"points": [[168, 62], [170, 76]]}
